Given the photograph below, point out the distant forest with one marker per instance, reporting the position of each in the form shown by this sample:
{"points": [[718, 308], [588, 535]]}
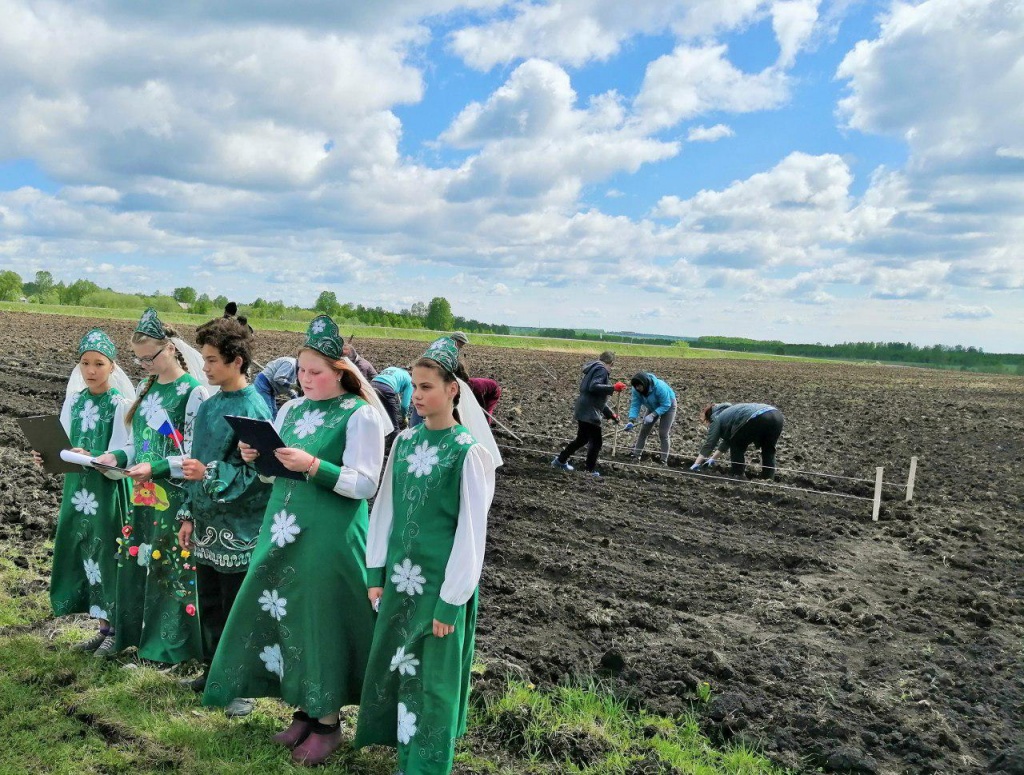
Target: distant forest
{"points": [[437, 315], [941, 356]]}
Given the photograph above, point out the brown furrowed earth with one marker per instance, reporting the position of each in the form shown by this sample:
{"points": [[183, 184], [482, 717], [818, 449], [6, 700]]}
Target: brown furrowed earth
{"points": [[828, 640]]}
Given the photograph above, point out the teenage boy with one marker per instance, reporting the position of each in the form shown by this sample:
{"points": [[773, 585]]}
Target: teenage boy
{"points": [[225, 498]]}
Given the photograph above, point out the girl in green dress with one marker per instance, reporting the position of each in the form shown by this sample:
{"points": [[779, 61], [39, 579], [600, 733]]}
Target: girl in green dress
{"points": [[424, 558], [156, 593], [301, 626], [94, 507]]}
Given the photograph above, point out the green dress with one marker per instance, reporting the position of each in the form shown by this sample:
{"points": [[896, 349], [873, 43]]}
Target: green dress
{"points": [[227, 506], [429, 523], [301, 625], [92, 511], [156, 593]]}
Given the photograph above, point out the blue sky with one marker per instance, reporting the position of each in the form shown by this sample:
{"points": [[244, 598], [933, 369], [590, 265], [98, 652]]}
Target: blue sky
{"points": [[808, 170]]}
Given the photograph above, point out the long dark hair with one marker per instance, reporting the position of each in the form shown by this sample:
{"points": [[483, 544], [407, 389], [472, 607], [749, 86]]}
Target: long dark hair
{"points": [[138, 338], [447, 376]]}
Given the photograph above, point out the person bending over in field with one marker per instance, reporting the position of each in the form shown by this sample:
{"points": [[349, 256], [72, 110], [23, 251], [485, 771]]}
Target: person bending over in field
{"points": [[734, 427]]}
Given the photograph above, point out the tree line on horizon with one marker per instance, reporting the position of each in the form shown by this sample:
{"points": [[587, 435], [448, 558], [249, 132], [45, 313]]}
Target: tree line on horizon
{"points": [[437, 315]]}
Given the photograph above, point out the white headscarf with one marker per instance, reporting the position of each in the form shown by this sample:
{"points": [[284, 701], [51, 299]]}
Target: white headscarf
{"points": [[371, 395], [118, 379], [194, 363], [473, 417]]}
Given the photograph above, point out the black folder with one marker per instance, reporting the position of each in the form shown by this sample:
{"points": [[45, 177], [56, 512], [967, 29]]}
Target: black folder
{"points": [[263, 437]]}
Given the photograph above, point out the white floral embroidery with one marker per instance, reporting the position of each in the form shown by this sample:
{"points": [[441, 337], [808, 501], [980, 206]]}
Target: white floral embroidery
{"points": [[348, 403], [464, 438], [145, 554], [92, 571], [284, 529], [273, 659], [97, 613], [85, 502], [408, 433], [307, 424], [405, 664], [90, 415], [95, 336], [438, 344], [422, 460], [152, 407], [270, 602], [183, 388], [406, 724], [408, 578], [318, 326]]}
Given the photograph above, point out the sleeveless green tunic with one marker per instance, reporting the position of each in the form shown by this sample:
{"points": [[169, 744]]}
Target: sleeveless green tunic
{"points": [[417, 685], [92, 513], [157, 604], [301, 626]]}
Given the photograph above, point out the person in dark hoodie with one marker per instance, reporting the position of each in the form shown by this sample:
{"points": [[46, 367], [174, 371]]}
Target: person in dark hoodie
{"points": [[735, 427], [359, 362], [660, 402], [591, 408]]}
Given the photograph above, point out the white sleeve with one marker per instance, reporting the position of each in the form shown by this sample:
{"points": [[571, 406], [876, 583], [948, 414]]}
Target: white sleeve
{"points": [[121, 434], [381, 518], [364, 454], [195, 398], [65, 415], [466, 562]]}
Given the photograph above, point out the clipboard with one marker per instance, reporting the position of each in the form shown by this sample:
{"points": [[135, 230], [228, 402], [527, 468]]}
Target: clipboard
{"points": [[263, 437], [46, 436]]}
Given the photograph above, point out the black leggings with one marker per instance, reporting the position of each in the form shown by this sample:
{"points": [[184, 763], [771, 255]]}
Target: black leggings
{"points": [[762, 431], [588, 435]]}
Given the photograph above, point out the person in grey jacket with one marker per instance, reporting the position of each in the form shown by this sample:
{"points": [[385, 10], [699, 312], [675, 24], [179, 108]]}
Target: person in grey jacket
{"points": [[591, 409], [735, 427]]}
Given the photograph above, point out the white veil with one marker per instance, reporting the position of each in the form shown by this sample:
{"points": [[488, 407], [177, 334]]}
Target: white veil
{"points": [[473, 417], [195, 363], [371, 396], [119, 380]]}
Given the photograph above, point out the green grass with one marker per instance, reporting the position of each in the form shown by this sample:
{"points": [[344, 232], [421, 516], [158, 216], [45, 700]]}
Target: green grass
{"points": [[419, 334], [66, 712]]}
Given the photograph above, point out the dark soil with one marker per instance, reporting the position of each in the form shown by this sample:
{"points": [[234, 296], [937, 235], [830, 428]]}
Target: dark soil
{"points": [[828, 640]]}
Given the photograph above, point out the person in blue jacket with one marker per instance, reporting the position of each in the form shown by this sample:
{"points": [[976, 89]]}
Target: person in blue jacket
{"points": [[735, 427], [394, 386], [660, 402]]}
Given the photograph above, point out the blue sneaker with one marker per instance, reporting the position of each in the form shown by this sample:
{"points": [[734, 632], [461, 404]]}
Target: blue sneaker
{"points": [[556, 463], [595, 474]]}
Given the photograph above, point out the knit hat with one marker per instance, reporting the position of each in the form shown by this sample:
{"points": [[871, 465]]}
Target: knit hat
{"points": [[322, 336], [97, 341], [150, 325], [444, 352]]}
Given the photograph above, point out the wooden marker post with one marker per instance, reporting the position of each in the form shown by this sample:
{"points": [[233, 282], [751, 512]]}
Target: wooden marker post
{"points": [[878, 493], [910, 479], [615, 442]]}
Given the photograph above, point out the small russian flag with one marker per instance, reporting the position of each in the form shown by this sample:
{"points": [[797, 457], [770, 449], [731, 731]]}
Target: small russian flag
{"points": [[166, 428]]}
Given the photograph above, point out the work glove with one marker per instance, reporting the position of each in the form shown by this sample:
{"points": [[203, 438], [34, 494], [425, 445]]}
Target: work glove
{"points": [[648, 419], [709, 463], [618, 387], [695, 467], [614, 418], [629, 426]]}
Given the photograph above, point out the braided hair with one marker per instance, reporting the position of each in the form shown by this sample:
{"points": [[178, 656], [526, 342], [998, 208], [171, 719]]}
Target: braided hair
{"points": [[138, 338]]}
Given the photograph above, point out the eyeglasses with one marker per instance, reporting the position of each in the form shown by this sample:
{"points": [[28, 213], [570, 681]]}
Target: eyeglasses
{"points": [[148, 361]]}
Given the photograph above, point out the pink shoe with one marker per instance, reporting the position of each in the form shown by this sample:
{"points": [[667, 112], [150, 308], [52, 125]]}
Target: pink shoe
{"points": [[296, 732], [323, 740]]}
